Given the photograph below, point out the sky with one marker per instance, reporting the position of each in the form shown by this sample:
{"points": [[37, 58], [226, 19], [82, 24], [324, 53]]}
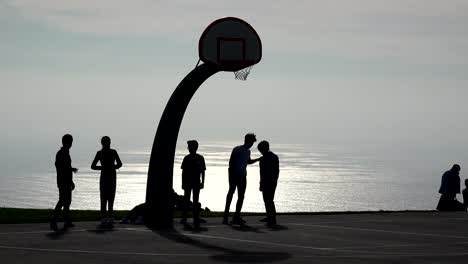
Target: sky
{"points": [[382, 74]]}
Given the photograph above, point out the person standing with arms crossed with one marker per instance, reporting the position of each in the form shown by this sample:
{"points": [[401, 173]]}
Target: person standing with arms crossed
{"points": [[110, 162], [193, 167], [240, 158], [269, 172], [64, 183]]}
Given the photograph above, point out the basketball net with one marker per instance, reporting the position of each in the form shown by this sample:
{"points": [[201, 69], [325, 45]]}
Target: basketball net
{"points": [[243, 73]]}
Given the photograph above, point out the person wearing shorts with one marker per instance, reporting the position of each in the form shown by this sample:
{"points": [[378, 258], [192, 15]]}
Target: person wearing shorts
{"points": [[193, 169]]}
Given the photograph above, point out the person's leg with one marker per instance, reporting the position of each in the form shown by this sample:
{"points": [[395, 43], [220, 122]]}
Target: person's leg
{"points": [[240, 196], [58, 206], [272, 205], [57, 210], [185, 206], [103, 197], [66, 208], [196, 207], [103, 205], [232, 189], [111, 198], [265, 201]]}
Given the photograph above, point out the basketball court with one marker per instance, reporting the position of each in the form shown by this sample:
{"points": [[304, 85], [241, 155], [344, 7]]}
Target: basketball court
{"points": [[231, 44], [355, 238]]}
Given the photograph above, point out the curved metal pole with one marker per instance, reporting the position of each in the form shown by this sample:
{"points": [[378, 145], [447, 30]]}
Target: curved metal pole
{"points": [[159, 192]]}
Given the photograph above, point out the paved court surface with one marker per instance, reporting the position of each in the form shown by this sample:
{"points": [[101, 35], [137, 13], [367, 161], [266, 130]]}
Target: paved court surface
{"points": [[352, 238]]}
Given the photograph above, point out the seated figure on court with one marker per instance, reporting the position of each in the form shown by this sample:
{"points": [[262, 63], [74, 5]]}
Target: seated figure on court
{"points": [[109, 162], [193, 168], [240, 158], [269, 172], [64, 182], [449, 188]]}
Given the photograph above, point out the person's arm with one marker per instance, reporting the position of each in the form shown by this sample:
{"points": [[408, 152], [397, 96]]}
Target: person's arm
{"points": [[119, 162], [203, 180], [252, 161], [203, 174], [94, 165], [59, 168], [276, 168]]}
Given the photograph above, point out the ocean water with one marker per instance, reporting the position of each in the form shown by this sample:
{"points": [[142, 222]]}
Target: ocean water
{"points": [[312, 178]]}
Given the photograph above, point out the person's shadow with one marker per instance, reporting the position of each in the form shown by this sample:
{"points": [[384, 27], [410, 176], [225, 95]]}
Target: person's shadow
{"points": [[59, 234], [226, 254], [246, 228]]}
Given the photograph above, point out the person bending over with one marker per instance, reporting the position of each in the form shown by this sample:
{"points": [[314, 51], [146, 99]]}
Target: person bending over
{"points": [[240, 158]]}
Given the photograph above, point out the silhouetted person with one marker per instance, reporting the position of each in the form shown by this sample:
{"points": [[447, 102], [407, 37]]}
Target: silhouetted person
{"points": [[449, 188], [109, 162], [465, 194], [269, 172], [193, 167], [64, 182], [240, 158]]}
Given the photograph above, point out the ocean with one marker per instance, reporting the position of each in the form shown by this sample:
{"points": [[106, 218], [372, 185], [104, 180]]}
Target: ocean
{"points": [[313, 178]]}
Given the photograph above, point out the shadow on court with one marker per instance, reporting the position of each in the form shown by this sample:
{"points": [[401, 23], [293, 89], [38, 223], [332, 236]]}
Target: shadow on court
{"points": [[247, 228], [426, 237], [59, 234], [226, 254]]}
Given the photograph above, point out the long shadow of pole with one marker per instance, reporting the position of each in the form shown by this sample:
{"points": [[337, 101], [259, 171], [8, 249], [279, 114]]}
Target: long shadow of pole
{"points": [[159, 192], [226, 254]]}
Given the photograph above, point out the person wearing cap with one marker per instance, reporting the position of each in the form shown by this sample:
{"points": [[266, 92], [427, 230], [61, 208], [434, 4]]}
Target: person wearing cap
{"points": [[193, 170]]}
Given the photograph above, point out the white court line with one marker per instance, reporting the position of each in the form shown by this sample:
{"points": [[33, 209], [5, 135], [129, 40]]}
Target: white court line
{"points": [[363, 253], [103, 252], [37, 232], [245, 240], [378, 230], [345, 250], [68, 231]]}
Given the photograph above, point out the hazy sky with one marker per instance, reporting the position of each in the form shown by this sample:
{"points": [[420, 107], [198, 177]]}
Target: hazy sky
{"points": [[379, 73]]}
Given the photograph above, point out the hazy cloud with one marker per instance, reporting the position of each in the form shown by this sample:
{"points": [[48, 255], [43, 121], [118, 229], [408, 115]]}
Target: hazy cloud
{"points": [[366, 28]]}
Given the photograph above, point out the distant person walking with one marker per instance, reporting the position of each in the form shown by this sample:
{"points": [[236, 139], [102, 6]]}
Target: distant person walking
{"points": [[449, 188], [193, 167], [63, 165], [109, 162], [240, 158], [269, 172]]}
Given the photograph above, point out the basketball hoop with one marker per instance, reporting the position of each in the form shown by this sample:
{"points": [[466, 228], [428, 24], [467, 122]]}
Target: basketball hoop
{"points": [[231, 44], [243, 73]]}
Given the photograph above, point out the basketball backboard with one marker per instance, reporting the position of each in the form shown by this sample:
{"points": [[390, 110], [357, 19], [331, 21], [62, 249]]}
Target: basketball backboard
{"points": [[230, 43]]}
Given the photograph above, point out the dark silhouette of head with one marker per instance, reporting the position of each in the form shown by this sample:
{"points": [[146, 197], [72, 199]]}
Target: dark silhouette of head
{"points": [[192, 146], [455, 168], [466, 183], [67, 141], [263, 147], [249, 140], [105, 142]]}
